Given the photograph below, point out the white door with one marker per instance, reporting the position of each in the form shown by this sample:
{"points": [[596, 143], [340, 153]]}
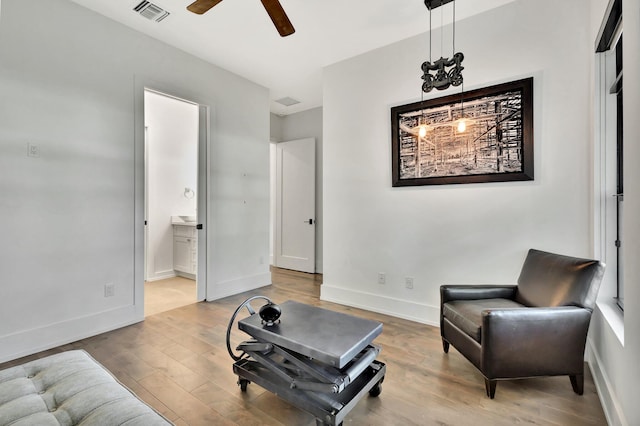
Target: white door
{"points": [[295, 230], [203, 196]]}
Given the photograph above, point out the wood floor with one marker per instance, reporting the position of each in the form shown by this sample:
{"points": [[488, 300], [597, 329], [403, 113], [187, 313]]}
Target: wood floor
{"points": [[168, 294], [177, 362]]}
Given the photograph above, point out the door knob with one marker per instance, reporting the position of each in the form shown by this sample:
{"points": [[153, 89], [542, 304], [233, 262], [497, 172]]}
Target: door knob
{"points": [[310, 221]]}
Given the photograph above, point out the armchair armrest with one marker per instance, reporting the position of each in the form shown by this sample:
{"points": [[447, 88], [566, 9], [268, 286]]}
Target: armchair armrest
{"points": [[552, 339], [475, 292]]}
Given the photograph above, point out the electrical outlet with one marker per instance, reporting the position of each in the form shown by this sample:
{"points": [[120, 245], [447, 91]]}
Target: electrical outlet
{"points": [[381, 278], [408, 283], [109, 290], [33, 150]]}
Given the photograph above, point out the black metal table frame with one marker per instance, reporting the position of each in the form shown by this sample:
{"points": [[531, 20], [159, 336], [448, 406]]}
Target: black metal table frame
{"points": [[327, 385]]}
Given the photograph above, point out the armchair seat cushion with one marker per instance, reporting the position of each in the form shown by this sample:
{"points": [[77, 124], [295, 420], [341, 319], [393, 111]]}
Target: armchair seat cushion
{"points": [[467, 314]]}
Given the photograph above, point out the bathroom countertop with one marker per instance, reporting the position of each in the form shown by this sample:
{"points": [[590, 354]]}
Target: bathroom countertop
{"points": [[183, 220]]}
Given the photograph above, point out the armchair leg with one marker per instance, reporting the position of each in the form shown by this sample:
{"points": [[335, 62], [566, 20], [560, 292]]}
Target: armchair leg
{"points": [[577, 383], [445, 346], [490, 386]]}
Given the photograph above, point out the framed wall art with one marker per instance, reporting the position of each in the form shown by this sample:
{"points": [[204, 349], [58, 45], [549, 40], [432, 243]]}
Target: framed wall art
{"points": [[484, 135]]}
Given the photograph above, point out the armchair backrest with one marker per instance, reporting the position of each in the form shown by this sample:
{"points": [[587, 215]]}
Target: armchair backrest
{"points": [[549, 279]]}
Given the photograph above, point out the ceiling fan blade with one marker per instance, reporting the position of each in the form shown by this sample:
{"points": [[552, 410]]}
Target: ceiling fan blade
{"points": [[202, 6], [279, 17]]}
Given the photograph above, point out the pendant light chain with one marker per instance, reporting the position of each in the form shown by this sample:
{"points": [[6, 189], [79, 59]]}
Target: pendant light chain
{"points": [[422, 91], [441, 33], [462, 99], [430, 35], [454, 28]]}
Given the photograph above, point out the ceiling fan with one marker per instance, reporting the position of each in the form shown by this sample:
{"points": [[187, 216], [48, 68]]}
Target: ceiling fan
{"points": [[273, 7]]}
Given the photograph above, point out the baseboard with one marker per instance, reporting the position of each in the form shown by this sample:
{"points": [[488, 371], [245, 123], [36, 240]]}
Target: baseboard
{"points": [[232, 287], [608, 399], [27, 342], [405, 309], [186, 275], [162, 276]]}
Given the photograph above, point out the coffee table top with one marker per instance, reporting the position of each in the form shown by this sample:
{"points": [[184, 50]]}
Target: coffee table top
{"points": [[330, 337]]}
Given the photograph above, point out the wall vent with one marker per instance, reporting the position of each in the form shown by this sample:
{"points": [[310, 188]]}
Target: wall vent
{"points": [[151, 11]]}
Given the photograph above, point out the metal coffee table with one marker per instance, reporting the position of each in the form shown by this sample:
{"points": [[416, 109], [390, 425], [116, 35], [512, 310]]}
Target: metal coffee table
{"points": [[319, 360]]}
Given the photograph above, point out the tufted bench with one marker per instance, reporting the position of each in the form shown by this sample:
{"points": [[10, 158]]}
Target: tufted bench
{"points": [[69, 388]]}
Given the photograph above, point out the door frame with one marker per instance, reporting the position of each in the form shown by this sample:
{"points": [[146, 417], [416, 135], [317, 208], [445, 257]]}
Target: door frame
{"points": [[205, 112]]}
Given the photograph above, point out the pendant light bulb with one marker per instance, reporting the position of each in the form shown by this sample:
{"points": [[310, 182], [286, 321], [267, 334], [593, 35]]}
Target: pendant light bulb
{"points": [[422, 132], [462, 125]]}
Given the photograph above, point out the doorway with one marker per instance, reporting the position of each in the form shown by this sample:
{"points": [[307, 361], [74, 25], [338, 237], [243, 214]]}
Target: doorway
{"points": [[172, 128]]}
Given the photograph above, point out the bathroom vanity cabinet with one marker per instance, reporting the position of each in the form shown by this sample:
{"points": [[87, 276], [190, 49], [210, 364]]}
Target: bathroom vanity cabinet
{"points": [[185, 246]]}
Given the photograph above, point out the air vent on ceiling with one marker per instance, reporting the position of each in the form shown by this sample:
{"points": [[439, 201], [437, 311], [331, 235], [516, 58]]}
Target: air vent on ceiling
{"points": [[151, 11], [287, 101]]}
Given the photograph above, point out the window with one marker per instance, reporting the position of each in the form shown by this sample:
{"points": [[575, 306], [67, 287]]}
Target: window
{"points": [[616, 89], [610, 61]]}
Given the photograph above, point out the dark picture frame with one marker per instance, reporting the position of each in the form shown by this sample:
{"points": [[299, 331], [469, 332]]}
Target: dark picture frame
{"points": [[497, 145]]}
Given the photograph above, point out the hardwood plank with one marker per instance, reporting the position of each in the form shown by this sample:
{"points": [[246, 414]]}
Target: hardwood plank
{"points": [[146, 396], [177, 361], [165, 295], [239, 410], [181, 402]]}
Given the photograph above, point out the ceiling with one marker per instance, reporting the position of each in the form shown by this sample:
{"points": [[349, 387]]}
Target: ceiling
{"points": [[238, 35]]}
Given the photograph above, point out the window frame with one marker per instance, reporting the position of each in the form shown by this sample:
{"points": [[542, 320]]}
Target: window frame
{"points": [[609, 148]]}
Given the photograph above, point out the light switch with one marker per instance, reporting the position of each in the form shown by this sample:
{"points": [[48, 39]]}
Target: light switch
{"points": [[33, 150]]}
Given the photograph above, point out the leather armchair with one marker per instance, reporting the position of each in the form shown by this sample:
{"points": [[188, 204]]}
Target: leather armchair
{"points": [[535, 328]]}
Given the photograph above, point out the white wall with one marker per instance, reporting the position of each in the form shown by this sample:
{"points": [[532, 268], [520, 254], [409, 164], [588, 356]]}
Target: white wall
{"points": [[613, 352], [172, 150], [67, 79], [474, 233], [631, 11], [480, 233], [275, 127], [305, 124]]}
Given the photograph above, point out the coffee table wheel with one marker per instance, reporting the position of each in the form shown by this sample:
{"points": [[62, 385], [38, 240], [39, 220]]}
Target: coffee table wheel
{"points": [[243, 384], [376, 390]]}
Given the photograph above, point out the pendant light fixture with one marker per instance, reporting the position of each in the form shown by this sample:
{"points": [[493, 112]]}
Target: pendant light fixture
{"points": [[447, 71]]}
